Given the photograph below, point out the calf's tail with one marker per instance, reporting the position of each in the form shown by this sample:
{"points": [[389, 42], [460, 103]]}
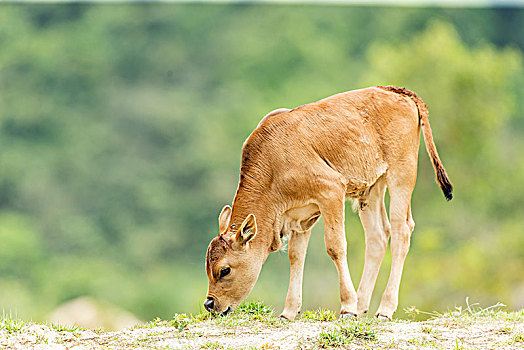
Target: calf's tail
{"points": [[442, 176]]}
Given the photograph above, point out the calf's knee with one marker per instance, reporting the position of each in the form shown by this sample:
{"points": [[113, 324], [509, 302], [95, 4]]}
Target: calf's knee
{"points": [[377, 247], [336, 253]]}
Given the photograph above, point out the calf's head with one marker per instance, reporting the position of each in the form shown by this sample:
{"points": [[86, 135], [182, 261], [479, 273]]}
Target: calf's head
{"points": [[232, 266]]}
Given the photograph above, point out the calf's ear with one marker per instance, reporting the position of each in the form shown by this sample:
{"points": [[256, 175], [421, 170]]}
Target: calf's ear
{"points": [[247, 231], [223, 219]]}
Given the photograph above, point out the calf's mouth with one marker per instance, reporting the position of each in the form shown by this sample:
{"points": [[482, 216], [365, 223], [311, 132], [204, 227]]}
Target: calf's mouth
{"points": [[226, 311]]}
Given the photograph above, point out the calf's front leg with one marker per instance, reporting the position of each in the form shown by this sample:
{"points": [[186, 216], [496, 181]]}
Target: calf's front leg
{"points": [[336, 245], [297, 247]]}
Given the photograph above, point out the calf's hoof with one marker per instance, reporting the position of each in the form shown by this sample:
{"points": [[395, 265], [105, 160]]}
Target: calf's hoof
{"points": [[383, 318], [348, 315], [286, 317]]}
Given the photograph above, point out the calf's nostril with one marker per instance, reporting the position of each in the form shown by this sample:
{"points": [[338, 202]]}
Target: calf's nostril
{"points": [[209, 304]]}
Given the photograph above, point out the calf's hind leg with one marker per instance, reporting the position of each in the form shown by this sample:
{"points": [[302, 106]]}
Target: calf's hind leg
{"points": [[402, 225], [376, 226], [297, 247]]}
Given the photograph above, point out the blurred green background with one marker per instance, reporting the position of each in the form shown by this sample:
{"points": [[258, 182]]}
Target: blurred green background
{"points": [[121, 128]]}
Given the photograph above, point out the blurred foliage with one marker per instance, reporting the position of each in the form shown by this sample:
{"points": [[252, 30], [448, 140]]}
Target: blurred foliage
{"points": [[121, 128]]}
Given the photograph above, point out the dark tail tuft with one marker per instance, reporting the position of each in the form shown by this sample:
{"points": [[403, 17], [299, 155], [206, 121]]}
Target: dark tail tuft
{"points": [[444, 183]]}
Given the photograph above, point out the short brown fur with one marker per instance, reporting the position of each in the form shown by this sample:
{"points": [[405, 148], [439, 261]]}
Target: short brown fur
{"points": [[302, 163], [442, 177]]}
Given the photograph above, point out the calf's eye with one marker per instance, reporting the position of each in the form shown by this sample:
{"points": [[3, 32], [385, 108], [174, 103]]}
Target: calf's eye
{"points": [[225, 271]]}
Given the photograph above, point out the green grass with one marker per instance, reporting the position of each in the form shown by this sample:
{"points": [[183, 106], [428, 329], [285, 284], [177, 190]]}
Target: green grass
{"points": [[246, 312], [181, 321], [63, 328], [428, 330], [319, 315], [253, 308], [359, 329], [519, 338], [11, 324], [347, 331], [332, 339], [211, 345]]}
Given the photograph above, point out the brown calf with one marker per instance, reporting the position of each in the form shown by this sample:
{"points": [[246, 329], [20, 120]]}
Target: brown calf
{"points": [[302, 163]]}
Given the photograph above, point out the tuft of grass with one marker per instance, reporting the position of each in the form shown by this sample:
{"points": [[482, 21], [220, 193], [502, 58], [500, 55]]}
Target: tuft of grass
{"points": [[504, 330], [246, 312], [429, 330], [519, 338], [63, 328], [203, 316], [320, 314], [472, 311], [254, 308], [180, 321], [458, 346], [412, 312], [41, 339], [11, 324], [476, 310], [346, 333], [360, 330], [155, 323], [99, 330], [426, 329], [257, 311], [332, 339]]}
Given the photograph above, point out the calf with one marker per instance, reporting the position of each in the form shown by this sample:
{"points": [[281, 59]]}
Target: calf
{"points": [[302, 163]]}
